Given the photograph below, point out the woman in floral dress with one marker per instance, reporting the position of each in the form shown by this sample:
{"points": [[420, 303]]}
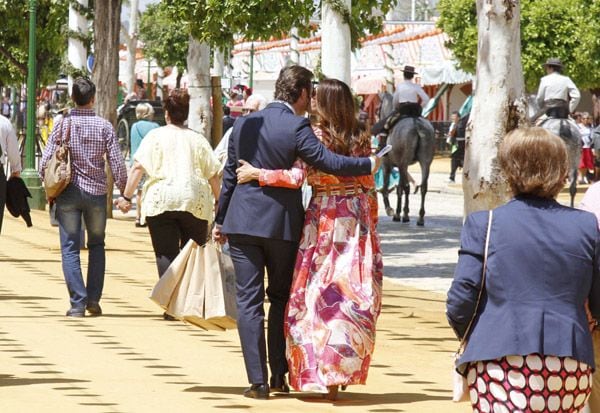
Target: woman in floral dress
{"points": [[335, 297]]}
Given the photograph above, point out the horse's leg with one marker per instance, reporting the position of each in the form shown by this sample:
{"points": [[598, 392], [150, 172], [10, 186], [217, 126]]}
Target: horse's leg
{"points": [[424, 179], [573, 186], [387, 171], [406, 190], [403, 189]]}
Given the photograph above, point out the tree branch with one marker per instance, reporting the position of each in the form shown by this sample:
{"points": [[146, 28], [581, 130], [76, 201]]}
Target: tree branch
{"points": [[22, 68]]}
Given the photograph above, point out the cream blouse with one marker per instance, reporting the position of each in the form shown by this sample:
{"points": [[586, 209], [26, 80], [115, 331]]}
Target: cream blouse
{"points": [[178, 163]]}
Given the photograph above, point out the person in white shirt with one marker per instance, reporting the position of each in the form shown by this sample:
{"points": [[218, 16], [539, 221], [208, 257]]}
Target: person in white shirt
{"points": [[557, 95], [409, 100], [9, 156]]}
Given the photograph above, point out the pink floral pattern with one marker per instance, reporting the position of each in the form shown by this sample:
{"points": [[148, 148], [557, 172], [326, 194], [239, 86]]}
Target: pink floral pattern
{"points": [[335, 298]]}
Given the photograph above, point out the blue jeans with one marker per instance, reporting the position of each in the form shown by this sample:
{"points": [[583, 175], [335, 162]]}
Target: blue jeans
{"points": [[70, 206]]}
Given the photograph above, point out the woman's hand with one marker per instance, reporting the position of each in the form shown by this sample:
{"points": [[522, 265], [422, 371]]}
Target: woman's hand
{"points": [[247, 173], [123, 205]]}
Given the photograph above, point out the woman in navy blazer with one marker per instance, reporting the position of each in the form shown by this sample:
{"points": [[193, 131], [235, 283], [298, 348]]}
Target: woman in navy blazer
{"points": [[529, 348]]}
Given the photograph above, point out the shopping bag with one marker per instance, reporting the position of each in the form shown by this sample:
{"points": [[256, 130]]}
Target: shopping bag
{"points": [[167, 291], [220, 306], [217, 279]]}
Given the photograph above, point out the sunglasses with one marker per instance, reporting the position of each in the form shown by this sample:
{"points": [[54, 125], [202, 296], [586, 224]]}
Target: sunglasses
{"points": [[246, 110]]}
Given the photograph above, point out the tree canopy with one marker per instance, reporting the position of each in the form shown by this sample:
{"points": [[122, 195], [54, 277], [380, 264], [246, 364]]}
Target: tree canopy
{"points": [[52, 30], [217, 21], [566, 29], [164, 41]]}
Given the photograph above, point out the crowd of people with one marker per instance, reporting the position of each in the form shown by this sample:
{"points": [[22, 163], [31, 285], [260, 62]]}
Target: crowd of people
{"points": [[527, 272]]}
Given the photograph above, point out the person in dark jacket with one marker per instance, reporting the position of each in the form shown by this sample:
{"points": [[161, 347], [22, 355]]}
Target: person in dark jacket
{"points": [[529, 347]]}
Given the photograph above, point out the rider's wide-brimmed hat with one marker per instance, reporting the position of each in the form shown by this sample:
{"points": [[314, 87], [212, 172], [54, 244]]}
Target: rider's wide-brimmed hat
{"points": [[553, 62], [409, 69]]}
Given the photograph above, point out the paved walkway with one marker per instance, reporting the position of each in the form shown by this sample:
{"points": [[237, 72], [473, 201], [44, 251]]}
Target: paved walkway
{"points": [[130, 360]]}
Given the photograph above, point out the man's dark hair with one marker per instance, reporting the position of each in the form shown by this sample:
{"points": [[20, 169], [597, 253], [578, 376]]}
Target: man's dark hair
{"points": [[226, 110], [408, 75], [290, 83], [83, 91]]}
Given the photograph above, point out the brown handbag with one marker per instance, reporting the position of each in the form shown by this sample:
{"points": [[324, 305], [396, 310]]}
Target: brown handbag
{"points": [[57, 173]]}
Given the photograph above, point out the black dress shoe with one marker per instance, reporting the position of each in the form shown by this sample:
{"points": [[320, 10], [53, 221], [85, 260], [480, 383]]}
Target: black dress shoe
{"points": [[76, 312], [279, 384], [94, 309], [257, 391]]}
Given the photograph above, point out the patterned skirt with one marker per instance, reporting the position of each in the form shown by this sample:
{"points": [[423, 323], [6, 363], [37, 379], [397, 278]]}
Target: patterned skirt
{"points": [[335, 297], [532, 383]]}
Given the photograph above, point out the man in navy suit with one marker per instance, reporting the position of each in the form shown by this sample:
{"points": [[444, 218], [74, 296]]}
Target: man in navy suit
{"points": [[263, 224]]}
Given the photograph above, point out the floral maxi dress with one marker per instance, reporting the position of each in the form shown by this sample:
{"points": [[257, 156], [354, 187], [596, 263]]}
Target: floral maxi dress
{"points": [[335, 297]]}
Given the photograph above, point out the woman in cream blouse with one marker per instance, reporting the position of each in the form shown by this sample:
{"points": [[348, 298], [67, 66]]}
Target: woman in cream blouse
{"points": [[181, 186]]}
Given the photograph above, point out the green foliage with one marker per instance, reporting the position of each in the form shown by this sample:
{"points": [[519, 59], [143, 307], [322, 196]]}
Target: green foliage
{"points": [[217, 21], [51, 24], [566, 29], [458, 18], [164, 40]]}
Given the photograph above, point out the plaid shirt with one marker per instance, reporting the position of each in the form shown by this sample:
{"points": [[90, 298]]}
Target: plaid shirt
{"points": [[91, 138]]}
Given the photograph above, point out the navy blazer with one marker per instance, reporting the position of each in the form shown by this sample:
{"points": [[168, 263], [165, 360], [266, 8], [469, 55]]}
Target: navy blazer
{"points": [[273, 139], [543, 264]]}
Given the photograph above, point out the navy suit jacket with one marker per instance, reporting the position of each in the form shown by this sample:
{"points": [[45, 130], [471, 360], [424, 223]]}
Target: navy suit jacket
{"points": [[543, 264], [273, 139]]}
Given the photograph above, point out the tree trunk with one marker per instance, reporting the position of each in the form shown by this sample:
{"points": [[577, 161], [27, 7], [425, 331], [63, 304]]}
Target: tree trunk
{"points": [[595, 106], [131, 46], [335, 43], [198, 68], [499, 104], [218, 62], [294, 51], [76, 52], [107, 22], [389, 68]]}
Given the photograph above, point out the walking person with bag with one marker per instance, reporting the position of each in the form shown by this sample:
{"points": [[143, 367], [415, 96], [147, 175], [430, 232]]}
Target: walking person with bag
{"points": [[9, 155], [263, 224], [182, 183], [89, 139], [517, 300]]}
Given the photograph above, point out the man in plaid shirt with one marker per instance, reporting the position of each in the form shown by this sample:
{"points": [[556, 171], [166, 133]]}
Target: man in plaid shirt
{"points": [[91, 138]]}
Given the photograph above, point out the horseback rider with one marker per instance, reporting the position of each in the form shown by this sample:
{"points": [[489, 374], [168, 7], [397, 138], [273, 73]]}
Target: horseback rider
{"points": [[557, 95], [408, 101]]}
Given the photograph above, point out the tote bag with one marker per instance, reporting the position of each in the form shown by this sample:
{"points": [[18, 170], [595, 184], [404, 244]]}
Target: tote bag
{"points": [[57, 172]]}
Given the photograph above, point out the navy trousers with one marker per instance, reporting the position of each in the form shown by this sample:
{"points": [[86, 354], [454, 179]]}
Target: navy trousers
{"points": [[250, 256]]}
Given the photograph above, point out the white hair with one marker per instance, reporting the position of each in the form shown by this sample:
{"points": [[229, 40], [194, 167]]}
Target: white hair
{"points": [[256, 102]]}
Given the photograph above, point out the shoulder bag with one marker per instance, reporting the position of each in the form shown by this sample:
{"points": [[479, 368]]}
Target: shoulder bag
{"points": [[460, 392], [57, 172]]}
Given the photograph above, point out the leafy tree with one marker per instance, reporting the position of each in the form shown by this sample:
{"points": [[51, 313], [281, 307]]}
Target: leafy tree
{"points": [[164, 41], [554, 28], [52, 17], [217, 21]]}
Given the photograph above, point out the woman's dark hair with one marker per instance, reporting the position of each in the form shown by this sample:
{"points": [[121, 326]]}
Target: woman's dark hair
{"points": [[83, 91], [178, 106], [337, 112], [290, 83]]}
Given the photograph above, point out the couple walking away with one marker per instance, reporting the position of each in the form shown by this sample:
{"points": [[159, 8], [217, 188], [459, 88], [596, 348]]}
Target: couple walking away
{"points": [[329, 322]]}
